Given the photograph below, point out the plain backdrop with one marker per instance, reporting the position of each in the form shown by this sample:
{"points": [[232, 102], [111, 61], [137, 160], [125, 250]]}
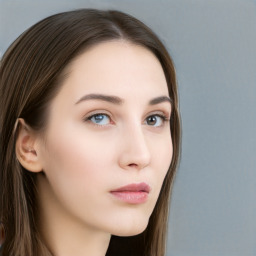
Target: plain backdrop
{"points": [[213, 44]]}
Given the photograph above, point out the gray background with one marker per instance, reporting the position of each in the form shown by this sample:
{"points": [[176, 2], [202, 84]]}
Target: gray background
{"points": [[213, 44]]}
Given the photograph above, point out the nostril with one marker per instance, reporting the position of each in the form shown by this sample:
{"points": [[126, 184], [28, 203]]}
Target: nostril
{"points": [[133, 165]]}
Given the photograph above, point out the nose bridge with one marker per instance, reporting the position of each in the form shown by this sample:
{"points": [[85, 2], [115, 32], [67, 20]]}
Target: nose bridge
{"points": [[136, 150]]}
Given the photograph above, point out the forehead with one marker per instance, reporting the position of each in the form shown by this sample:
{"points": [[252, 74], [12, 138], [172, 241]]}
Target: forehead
{"points": [[116, 67]]}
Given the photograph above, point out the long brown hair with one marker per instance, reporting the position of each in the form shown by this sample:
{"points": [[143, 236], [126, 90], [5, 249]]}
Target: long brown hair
{"points": [[30, 76]]}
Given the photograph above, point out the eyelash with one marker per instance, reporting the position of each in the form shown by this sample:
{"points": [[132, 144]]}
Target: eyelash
{"points": [[164, 118]]}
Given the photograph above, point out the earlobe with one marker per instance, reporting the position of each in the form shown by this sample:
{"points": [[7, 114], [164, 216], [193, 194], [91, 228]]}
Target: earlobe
{"points": [[26, 151]]}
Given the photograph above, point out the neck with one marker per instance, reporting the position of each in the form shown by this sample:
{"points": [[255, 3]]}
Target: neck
{"points": [[64, 234]]}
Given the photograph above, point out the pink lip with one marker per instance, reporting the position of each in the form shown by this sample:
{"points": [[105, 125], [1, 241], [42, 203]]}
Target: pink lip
{"points": [[136, 193]]}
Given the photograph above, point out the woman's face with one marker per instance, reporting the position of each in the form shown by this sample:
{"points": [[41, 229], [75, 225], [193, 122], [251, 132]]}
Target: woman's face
{"points": [[108, 128]]}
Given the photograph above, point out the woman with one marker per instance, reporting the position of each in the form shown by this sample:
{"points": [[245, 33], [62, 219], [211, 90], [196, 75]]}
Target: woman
{"points": [[90, 137]]}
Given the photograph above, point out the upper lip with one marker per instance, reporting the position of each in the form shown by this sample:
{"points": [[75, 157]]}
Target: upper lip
{"points": [[134, 187]]}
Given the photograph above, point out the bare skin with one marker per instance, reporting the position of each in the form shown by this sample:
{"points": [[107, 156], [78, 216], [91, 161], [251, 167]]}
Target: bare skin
{"points": [[94, 144]]}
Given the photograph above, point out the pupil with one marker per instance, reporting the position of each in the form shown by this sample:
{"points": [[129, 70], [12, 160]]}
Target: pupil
{"points": [[98, 118], [152, 120]]}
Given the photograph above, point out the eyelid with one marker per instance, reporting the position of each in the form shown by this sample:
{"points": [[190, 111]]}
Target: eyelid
{"points": [[97, 112], [88, 116], [165, 115], [163, 118], [160, 113]]}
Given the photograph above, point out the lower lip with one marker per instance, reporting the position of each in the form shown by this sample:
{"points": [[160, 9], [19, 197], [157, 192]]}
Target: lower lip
{"points": [[131, 197]]}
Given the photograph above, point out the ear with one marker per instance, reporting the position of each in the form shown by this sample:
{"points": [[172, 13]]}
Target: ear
{"points": [[26, 147]]}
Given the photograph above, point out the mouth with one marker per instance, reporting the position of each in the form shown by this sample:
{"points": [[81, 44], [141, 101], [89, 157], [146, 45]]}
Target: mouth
{"points": [[136, 193]]}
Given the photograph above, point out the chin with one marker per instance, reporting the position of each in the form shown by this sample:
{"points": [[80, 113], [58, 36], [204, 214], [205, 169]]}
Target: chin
{"points": [[133, 229]]}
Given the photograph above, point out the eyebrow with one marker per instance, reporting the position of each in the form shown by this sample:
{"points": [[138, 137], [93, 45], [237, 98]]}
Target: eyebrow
{"points": [[118, 101], [160, 99]]}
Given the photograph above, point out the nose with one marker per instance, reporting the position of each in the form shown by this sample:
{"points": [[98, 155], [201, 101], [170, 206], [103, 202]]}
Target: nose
{"points": [[134, 151]]}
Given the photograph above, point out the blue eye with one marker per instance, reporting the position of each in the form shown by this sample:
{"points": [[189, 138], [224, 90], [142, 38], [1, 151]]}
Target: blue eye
{"points": [[99, 119], [156, 120]]}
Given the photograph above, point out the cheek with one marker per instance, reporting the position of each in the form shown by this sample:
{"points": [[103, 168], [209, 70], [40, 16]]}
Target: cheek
{"points": [[75, 162], [163, 157], [161, 150], [78, 172]]}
